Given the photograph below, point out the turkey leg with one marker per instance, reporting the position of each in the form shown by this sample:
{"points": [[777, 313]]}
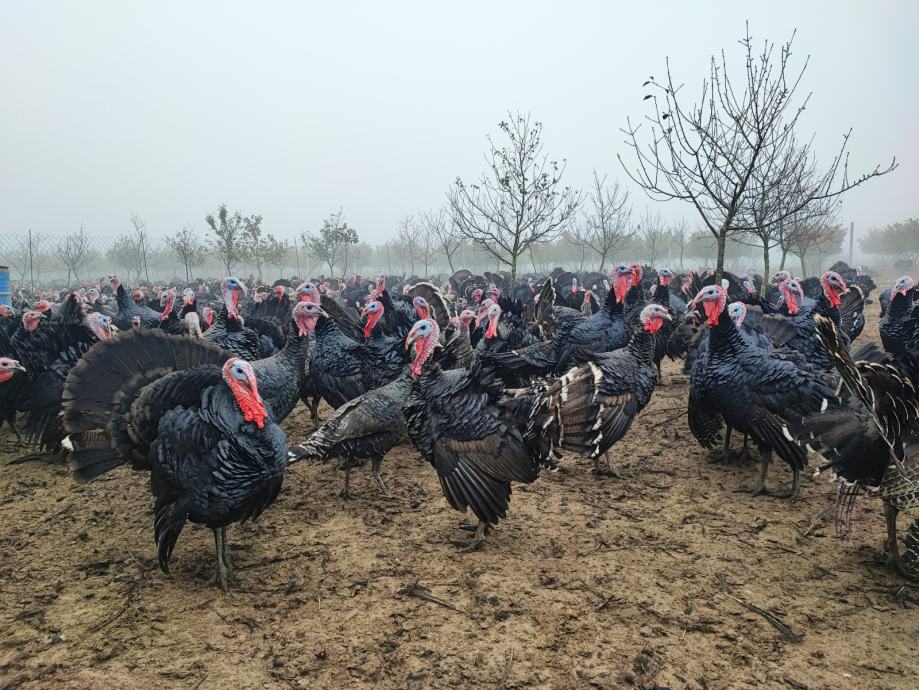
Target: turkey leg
{"points": [[379, 477], [223, 571], [765, 459]]}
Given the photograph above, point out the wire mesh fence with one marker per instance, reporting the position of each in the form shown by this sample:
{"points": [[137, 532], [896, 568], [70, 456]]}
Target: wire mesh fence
{"points": [[55, 260]]}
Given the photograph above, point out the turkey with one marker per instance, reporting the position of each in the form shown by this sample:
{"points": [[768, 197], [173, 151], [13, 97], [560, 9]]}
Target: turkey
{"points": [[129, 309], [455, 420], [281, 377], [180, 409], [365, 428], [661, 295], [171, 322], [552, 317], [13, 381], [458, 352], [342, 369], [899, 328], [228, 330], [48, 351], [752, 391], [604, 331], [591, 408], [873, 442]]}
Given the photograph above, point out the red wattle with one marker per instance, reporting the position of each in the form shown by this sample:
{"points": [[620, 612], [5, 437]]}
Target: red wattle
{"points": [[712, 312]]}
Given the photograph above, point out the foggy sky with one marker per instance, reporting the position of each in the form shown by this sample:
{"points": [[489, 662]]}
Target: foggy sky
{"points": [[293, 110]]}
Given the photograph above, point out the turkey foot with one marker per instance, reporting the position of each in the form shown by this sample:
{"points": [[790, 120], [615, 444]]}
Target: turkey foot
{"points": [[379, 477], [795, 486], [19, 442], [894, 561], [477, 540], [608, 471]]}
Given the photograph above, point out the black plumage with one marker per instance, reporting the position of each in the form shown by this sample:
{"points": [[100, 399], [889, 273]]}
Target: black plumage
{"points": [[178, 407], [873, 441], [128, 309], [751, 390], [365, 428]]}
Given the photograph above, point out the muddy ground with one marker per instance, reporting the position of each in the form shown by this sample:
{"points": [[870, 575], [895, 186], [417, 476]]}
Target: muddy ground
{"points": [[667, 577]]}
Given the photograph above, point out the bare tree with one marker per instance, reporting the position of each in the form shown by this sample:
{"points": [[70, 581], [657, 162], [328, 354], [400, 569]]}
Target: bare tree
{"points": [[707, 153], [75, 252], [141, 240], [264, 249], [187, 248], [815, 233], [408, 241], [682, 238], [897, 241], [21, 258], [447, 240], [332, 244], [652, 233], [228, 234], [519, 201], [125, 253], [605, 226]]}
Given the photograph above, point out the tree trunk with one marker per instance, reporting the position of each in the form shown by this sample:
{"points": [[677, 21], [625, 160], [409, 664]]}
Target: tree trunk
{"points": [[513, 270], [782, 264], [602, 261], [803, 257], [762, 288], [187, 272], [722, 243]]}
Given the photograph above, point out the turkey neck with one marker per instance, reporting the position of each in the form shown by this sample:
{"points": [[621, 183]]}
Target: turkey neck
{"points": [[724, 338], [824, 308], [280, 376], [632, 297], [294, 353], [611, 306], [641, 345]]}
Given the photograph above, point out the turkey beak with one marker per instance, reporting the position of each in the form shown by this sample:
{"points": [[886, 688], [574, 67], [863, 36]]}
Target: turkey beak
{"points": [[666, 315], [410, 339], [323, 312], [18, 367]]}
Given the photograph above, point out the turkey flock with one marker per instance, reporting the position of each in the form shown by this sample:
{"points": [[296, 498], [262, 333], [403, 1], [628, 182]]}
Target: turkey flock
{"points": [[491, 381]]}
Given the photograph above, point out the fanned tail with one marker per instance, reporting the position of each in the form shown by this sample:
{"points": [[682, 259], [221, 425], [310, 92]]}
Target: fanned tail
{"points": [[101, 387]]}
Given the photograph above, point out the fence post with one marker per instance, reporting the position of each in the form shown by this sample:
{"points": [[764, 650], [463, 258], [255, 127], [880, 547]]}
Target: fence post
{"points": [[31, 264]]}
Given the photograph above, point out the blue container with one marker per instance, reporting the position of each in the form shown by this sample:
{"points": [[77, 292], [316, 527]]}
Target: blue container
{"points": [[4, 285]]}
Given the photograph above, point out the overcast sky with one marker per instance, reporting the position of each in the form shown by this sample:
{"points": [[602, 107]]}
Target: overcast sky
{"points": [[292, 110]]}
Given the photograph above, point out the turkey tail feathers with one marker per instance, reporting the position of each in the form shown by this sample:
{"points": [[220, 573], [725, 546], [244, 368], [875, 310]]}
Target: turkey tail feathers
{"points": [[101, 387], [93, 383]]}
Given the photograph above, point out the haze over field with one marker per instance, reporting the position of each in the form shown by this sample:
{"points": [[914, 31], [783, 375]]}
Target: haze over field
{"points": [[292, 110]]}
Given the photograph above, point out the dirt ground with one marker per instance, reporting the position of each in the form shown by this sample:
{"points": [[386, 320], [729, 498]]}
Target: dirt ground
{"points": [[662, 579]]}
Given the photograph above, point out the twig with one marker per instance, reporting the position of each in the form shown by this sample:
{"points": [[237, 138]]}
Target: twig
{"points": [[785, 631], [129, 596], [507, 670], [668, 420], [416, 590], [818, 518]]}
